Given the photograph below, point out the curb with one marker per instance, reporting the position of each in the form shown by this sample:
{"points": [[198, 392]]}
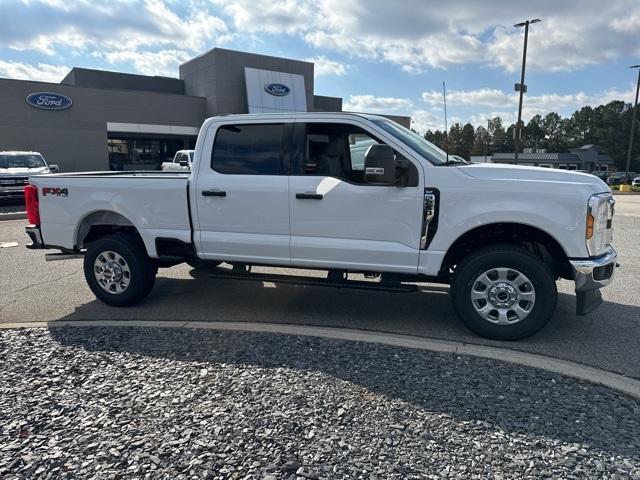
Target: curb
{"points": [[621, 383], [13, 216]]}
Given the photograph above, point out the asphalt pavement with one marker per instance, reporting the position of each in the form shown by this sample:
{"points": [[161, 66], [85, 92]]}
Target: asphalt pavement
{"points": [[609, 338]]}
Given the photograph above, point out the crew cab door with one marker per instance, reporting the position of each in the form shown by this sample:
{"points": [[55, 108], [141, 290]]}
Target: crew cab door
{"points": [[337, 219], [241, 193]]}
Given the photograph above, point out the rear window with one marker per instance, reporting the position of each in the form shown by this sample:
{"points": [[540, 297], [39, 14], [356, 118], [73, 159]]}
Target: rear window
{"points": [[248, 150], [21, 161]]}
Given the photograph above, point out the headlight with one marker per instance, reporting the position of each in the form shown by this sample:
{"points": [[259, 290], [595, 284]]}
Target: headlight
{"points": [[598, 232]]}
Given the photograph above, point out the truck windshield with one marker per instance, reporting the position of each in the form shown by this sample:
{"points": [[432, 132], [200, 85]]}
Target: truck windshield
{"points": [[21, 161], [416, 142]]}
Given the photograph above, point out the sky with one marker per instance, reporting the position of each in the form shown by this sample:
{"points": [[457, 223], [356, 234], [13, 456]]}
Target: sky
{"points": [[380, 56]]}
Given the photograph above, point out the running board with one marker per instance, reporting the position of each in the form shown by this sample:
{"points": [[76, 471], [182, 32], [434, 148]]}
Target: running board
{"points": [[316, 282]]}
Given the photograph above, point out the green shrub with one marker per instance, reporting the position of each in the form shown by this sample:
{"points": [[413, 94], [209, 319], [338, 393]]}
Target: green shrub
{"points": [[615, 187], [636, 188]]}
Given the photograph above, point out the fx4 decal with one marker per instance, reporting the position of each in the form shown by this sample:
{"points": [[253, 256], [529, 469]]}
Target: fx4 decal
{"points": [[59, 192]]}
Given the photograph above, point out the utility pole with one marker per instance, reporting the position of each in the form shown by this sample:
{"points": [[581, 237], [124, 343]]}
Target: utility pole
{"points": [[521, 87], [446, 126], [633, 121]]}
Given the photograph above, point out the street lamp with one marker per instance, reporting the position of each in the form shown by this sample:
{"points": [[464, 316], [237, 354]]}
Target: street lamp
{"points": [[521, 87], [633, 121]]}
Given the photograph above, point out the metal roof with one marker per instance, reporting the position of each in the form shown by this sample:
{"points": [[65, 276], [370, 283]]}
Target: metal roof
{"points": [[537, 157]]}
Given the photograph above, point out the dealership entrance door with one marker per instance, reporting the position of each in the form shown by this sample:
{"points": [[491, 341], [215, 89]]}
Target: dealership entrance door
{"points": [[144, 151]]}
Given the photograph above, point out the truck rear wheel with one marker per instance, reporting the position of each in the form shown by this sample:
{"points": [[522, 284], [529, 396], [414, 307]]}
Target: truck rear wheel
{"points": [[118, 270], [504, 292]]}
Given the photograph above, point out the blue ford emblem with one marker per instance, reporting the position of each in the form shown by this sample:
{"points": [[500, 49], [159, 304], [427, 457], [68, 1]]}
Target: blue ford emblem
{"points": [[277, 89], [49, 100]]}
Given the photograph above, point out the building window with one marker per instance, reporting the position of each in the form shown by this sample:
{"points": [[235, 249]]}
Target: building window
{"points": [[545, 165], [248, 150], [139, 153], [562, 166], [572, 166]]}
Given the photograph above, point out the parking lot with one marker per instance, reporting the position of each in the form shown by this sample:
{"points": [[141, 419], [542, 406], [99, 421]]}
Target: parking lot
{"points": [[33, 290]]}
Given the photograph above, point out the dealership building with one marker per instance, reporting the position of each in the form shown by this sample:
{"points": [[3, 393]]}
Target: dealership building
{"points": [[99, 120]]}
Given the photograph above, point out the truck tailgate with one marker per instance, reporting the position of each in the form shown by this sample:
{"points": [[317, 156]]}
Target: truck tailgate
{"points": [[155, 203]]}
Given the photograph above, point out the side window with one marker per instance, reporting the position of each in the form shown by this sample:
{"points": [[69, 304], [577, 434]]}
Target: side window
{"points": [[248, 150], [179, 157], [335, 150]]}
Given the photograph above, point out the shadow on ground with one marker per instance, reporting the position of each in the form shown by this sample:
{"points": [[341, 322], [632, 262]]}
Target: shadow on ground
{"points": [[512, 398], [425, 313]]}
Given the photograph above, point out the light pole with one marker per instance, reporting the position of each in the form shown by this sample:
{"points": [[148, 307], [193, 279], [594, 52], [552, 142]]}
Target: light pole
{"points": [[633, 121], [521, 87]]}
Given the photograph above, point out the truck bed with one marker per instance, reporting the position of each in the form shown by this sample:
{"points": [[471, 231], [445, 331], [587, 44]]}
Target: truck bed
{"points": [[156, 203]]}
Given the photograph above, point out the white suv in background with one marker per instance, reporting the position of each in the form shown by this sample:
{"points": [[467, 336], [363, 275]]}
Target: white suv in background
{"points": [[15, 169]]}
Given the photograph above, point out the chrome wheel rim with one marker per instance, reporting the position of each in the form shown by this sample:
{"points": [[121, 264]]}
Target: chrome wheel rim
{"points": [[503, 296], [112, 272]]}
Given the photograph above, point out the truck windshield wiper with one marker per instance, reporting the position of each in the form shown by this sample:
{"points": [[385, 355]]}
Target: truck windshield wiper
{"points": [[450, 163]]}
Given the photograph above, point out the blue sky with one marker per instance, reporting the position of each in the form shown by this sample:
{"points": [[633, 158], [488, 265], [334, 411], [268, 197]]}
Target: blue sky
{"points": [[379, 55]]}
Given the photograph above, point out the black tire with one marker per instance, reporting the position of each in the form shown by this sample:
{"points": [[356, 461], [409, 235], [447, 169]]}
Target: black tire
{"points": [[470, 270], [141, 274]]}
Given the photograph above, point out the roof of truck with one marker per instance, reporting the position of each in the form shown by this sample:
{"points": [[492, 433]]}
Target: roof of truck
{"points": [[257, 116]]}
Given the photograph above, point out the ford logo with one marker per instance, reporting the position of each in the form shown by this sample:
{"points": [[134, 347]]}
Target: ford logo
{"points": [[277, 89], [49, 100]]}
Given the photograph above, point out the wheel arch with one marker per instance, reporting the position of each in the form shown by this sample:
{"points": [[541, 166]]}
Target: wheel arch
{"points": [[537, 240], [100, 223]]}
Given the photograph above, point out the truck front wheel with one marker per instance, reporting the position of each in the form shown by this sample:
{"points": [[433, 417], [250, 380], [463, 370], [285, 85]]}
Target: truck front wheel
{"points": [[118, 270], [503, 292]]}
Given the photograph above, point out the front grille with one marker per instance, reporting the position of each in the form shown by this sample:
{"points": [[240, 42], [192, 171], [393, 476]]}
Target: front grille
{"points": [[14, 181]]}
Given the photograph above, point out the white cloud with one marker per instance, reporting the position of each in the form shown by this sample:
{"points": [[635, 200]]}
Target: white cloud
{"points": [[547, 102], [325, 66], [441, 33], [42, 71], [118, 30], [163, 62], [373, 104], [422, 120]]}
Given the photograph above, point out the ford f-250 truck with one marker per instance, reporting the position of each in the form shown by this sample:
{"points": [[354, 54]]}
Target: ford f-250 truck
{"points": [[284, 190]]}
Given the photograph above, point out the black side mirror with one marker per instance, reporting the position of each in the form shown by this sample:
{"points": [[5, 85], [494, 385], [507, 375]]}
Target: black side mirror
{"points": [[380, 165], [54, 168], [184, 163]]}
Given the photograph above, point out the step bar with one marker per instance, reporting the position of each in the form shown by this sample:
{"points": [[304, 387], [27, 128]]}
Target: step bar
{"points": [[395, 287]]}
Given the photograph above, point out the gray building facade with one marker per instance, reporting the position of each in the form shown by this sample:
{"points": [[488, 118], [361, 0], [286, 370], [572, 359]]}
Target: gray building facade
{"points": [[125, 121]]}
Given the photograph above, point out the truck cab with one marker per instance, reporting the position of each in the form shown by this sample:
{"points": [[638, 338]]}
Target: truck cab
{"points": [[352, 195]]}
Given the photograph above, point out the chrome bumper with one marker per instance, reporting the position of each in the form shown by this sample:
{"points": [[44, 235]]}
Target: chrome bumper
{"points": [[594, 273]]}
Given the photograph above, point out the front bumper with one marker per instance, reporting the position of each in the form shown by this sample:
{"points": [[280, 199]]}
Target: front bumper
{"points": [[590, 276]]}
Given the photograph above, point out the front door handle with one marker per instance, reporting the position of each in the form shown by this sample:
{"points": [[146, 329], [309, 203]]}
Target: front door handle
{"points": [[309, 196], [214, 193]]}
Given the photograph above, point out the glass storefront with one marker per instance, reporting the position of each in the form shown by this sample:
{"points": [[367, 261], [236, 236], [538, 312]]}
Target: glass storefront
{"points": [[144, 153]]}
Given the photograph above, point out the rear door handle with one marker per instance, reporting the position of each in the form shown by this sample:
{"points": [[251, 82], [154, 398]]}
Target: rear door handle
{"points": [[309, 196], [214, 193]]}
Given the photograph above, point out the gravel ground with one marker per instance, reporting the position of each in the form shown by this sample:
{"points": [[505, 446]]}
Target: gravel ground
{"points": [[172, 403]]}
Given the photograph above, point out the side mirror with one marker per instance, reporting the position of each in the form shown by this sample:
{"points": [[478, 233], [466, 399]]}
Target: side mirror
{"points": [[184, 163], [54, 168], [380, 165]]}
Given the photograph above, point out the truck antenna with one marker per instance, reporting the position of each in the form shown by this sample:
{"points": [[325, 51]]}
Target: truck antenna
{"points": [[446, 127]]}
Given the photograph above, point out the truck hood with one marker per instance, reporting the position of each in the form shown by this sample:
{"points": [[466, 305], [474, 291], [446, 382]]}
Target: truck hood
{"points": [[493, 171], [22, 171]]}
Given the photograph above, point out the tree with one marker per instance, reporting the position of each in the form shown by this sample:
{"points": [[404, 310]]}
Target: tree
{"points": [[498, 134]]}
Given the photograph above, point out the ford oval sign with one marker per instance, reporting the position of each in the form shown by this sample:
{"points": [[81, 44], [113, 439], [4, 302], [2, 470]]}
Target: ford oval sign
{"points": [[49, 101], [277, 89]]}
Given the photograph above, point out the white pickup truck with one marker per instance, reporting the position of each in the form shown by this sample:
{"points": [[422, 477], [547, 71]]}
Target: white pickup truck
{"points": [[284, 190]]}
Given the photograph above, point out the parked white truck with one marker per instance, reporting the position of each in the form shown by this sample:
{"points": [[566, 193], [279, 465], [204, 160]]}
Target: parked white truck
{"points": [[284, 190]]}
